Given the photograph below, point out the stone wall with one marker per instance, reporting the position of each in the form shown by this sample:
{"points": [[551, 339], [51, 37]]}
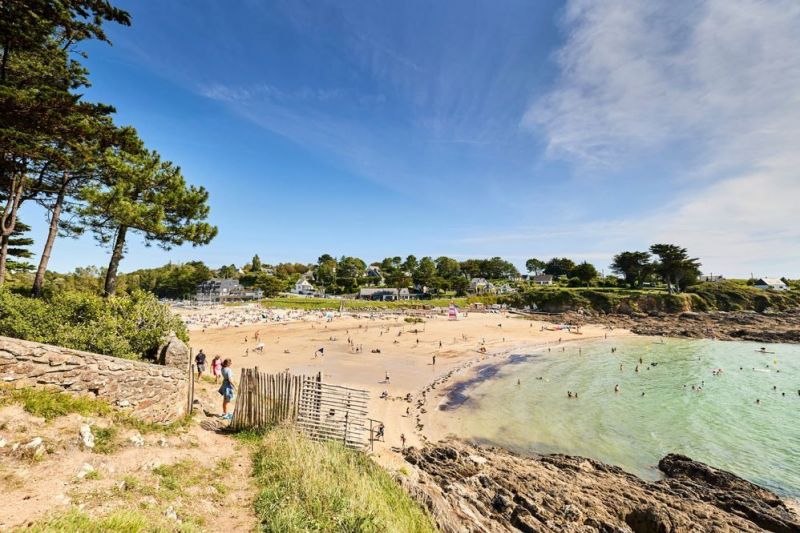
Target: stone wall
{"points": [[151, 392]]}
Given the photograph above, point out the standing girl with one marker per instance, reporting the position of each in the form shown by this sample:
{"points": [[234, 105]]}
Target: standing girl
{"points": [[226, 390], [216, 368]]}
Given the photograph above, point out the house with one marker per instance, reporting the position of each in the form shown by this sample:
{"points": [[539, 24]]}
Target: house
{"points": [[384, 294], [710, 278], [505, 288], [374, 275], [542, 279], [480, 286], [771, 283], [222, 290], [304, 287]]}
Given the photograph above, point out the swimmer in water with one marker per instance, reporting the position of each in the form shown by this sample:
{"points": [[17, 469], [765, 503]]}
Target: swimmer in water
{"points": [[637, 368], [616, 387]]}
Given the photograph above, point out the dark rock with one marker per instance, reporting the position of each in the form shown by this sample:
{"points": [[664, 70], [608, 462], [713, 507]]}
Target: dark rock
{"points": [[565, 493]]}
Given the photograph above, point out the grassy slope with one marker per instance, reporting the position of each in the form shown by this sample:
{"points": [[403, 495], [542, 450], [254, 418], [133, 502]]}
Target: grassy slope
{"points": [[309, 486]]}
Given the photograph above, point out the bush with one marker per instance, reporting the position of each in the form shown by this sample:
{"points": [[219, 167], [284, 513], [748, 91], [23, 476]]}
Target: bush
{"points": [[129, 326]]}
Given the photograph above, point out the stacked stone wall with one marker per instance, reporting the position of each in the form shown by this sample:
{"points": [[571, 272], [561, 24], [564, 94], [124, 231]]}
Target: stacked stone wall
{"points": [[151, 392]]}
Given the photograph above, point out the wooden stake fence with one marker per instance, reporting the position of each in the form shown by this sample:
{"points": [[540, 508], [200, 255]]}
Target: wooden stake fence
{"points": [[264, 400], [320, 410]]}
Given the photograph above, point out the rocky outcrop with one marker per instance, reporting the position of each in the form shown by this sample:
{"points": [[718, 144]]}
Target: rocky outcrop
{"points": [[152, 392], [781, 327], [489, 489], [173, 352]]}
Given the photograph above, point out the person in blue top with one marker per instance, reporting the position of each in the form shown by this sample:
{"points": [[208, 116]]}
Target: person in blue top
{"points": [[227, 388]]}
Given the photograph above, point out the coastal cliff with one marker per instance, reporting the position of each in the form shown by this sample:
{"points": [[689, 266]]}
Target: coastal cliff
{"points": [[468, 488], [777, 327]]}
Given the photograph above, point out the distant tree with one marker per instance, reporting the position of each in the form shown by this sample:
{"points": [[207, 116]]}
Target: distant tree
{"points": [[633, 266], [140, 192], [425, 274], [325, 273], [350, 273], [228, 271], [473, 268], [459, 284], [559, 266], [585, 272], [255, 264], [498, 268], [536, 266], [447, 268], [675, 266], [410, 264]]}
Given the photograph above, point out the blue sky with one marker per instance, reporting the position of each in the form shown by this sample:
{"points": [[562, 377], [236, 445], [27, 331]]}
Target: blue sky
{"points": [[469, 129]]}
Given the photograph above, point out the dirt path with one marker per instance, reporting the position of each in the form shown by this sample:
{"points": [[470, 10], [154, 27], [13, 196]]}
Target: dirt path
{"points": [[194, 475]]}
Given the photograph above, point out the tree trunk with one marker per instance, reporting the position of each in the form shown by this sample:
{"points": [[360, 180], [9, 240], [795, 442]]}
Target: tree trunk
{"points": [[8, 221], [52, 233], [116, 257], [3, 255]]}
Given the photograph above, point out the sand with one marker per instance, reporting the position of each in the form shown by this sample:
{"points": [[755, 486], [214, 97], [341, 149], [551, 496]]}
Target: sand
{"points": [[406, 355]]}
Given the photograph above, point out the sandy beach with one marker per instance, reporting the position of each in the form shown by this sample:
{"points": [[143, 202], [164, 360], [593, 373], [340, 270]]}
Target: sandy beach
{"points": [[361, 349]]}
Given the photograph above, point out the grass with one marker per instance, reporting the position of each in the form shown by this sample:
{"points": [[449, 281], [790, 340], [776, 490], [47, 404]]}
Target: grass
{"points": [[75, 521], [105, 439], [50, 404], [308, 486], [331, 304]]}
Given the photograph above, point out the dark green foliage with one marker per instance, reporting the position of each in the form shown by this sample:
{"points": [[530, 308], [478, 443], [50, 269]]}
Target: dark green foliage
{"points": [[675, 266], [559, 266], [129, 326], [633, 266], [584, 272], [170, 281], [19, 249], [536, 266]]}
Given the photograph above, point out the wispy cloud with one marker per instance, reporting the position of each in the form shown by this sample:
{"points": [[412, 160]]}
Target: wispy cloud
{"points": [[715, 83]]}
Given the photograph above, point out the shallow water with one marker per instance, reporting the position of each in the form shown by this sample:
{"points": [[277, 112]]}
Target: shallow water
{"points": [[721, 425]]}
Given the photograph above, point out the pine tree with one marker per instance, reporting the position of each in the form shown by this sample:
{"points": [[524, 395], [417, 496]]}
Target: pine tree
{"points": [[18, 252]]}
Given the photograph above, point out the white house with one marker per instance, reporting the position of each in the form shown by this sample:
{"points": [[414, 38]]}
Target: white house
{"points": [[771, 283], [505, 288], [480, 286], [304, 287], [542, 279]]}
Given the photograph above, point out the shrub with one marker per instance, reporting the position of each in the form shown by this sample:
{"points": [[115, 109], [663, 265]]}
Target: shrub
{"points": [[129, 326]]}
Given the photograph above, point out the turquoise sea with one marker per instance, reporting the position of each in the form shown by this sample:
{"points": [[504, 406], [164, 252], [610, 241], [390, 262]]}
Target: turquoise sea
{"points": [[655, 412]]}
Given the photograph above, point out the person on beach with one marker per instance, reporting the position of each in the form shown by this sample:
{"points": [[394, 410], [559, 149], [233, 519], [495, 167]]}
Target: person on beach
{"points": [[434, 359], [216, 368], [200, 361], [387, 377], [403, 441], [227, 388], [320, 352]]}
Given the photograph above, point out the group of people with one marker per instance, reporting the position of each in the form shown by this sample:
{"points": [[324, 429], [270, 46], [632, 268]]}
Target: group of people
{"points": [[220, 368]]}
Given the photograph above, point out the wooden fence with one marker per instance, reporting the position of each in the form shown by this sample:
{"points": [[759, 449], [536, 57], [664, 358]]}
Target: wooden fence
{"points": [[333, 412], [264, 400], [320, 410]]}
